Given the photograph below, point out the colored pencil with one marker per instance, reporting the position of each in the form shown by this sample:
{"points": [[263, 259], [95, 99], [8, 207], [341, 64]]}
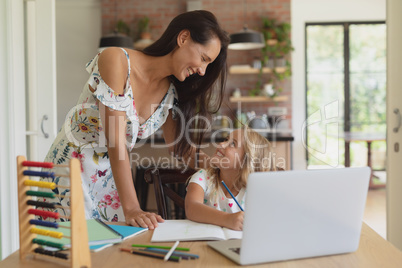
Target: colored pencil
{"points": [[175, 253], [155, 246], [151, 254], [167, 256], [232, 195]]}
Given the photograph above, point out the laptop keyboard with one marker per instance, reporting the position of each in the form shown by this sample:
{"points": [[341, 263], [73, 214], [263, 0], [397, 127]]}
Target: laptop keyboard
{"points": [[235, 250]]}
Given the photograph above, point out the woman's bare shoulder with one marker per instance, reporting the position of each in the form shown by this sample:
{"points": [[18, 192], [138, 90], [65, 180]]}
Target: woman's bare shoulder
{"points": [[113, 68]]}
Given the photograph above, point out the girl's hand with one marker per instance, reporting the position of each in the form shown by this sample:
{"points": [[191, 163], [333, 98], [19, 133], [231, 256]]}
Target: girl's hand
{"points": [[140, 218], [235, 221]]}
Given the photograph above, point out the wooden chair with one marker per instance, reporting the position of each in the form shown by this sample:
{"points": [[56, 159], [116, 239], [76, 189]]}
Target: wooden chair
{"points": [[141, 187], [169, 182]]}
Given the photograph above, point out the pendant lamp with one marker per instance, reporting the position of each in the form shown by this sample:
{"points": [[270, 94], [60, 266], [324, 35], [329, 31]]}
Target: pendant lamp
{"points": [[246, 39], [116, 39]]}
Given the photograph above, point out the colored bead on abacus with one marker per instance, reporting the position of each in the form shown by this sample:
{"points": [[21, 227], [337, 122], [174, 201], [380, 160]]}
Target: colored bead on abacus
{"points": [[43, 213], [41, 184], [44, 232], [39, 174], [37, 164], [40, 194]]}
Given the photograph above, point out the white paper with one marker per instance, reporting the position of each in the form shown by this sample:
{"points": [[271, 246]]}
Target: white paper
{"points": [[186, 230]]}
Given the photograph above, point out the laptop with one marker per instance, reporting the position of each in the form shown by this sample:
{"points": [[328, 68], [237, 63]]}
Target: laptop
{"points": [[300, 214]]}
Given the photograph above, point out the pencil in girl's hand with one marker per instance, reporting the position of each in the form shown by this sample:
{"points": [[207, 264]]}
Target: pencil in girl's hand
{"points": [[227, 188], [150, 254]]}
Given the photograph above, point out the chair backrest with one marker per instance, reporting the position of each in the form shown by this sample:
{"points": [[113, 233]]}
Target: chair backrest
{"points": [[169, 182]]}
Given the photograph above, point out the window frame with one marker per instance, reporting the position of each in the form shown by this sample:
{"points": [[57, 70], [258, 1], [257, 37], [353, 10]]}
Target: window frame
{"points": [[346, 60]]}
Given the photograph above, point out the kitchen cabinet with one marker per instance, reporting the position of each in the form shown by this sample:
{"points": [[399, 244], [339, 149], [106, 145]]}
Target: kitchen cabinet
{"points": [[282, 151]]}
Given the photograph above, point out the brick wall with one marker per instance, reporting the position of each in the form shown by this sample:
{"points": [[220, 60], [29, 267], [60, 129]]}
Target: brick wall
{"points": [[230, 14]]}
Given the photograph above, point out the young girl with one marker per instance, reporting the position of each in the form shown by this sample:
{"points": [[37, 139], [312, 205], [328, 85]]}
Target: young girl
{"points": [[207, 200]]}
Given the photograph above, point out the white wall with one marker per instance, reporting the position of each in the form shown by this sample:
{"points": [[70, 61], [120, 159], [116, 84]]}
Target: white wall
{"points": [[78, 31], [3, 111], [12, 117], [302, 12]]}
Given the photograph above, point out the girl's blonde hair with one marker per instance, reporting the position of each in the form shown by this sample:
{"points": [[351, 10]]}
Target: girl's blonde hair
{"points": [[258, 156]]}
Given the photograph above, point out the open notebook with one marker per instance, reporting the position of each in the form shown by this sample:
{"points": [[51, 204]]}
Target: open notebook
{"points": [[186, 230]]}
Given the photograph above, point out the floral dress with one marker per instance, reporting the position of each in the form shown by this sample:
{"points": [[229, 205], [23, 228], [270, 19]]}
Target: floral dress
{"points": [[82, 137]]}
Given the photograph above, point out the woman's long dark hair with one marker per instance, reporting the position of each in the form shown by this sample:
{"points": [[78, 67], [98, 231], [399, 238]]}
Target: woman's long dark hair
{"points": [[196, 96]]}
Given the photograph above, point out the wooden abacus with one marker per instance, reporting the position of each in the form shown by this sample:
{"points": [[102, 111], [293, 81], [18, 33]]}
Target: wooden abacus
{"points": [[78, 255]]}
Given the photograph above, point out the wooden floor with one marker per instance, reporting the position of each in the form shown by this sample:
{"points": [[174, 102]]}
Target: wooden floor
{"points": [[375, 212]]}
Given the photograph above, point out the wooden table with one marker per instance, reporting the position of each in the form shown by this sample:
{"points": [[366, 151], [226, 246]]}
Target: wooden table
{"points": [[373, 251], [368, 138]]}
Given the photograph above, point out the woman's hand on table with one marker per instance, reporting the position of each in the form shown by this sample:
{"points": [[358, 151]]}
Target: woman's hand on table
{"points": [[140, 218]]}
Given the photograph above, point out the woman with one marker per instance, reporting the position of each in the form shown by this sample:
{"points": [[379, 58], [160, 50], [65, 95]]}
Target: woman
{"points": [[129, 95]]}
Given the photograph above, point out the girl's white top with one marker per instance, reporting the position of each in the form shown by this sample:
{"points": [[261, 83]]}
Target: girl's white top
{"points": [[217, 199]]}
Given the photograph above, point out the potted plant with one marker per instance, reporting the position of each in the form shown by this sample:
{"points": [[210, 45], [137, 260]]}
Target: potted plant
{"points": [[275, 52], [283, 33], [269, 31], [143, 34], [143, 28], [122, 27], [284, 45]]}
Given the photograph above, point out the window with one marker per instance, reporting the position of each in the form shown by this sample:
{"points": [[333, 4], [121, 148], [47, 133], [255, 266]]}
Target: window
{"points": [[346, 87]]}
